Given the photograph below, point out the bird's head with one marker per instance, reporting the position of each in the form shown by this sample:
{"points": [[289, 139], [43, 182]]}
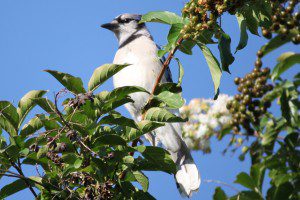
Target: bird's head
{"points": [[126, 25]]}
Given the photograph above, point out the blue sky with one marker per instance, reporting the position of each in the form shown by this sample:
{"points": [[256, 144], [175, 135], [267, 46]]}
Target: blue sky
{"points": [[66, 36]]}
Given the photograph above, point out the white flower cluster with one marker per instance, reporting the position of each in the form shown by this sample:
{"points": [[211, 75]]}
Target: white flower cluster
{"points": [[206, 118]]}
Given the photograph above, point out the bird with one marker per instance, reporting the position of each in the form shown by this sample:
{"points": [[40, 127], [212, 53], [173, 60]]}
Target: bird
{"points": [[138, 49]]}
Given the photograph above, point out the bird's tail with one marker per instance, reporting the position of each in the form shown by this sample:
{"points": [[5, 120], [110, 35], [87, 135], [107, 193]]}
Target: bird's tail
{"points": [[187, 175]]}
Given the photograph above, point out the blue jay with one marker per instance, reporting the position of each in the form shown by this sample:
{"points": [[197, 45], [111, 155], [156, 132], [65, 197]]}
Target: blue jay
{"points": [[136, 47]]}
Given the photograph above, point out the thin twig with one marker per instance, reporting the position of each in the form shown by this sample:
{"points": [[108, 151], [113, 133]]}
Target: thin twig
{"points": [[165, 66], [222, 183], [37, 170], [162, 72], [21, 174], [21, 177]]}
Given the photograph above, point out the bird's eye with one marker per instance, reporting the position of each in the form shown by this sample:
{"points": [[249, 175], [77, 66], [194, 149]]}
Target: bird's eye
{"points": [[126, 20]]}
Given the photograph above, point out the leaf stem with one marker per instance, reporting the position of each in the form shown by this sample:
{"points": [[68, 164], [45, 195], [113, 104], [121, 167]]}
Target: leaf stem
{"points": [[222, 183]]}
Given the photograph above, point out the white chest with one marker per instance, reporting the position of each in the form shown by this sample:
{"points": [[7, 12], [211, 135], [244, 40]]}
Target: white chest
{"points": [[144, 67]]}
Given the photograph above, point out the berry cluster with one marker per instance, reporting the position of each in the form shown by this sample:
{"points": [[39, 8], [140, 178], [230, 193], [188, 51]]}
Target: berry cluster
{"points": [[102, 192], [80, 100], [93, 190], [51, 145], [247, 107], [54, 157], [284, 19], [203, 15]]}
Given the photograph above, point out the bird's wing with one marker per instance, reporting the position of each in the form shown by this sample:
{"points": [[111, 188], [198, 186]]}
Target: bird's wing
{"points": [[187, 176]]}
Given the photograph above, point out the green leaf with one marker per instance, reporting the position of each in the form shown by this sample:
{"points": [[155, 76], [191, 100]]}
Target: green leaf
{"points": [[162, 115], [45, 104], [32, 159], [243, 35], [284, 106], [4, 167], [144, 126], [173, 37], [250, 19], [128, 159], [157, 159], [13, 188], [143, 195], [256, 14], [225, 51], [269, 137], [147, 126], [110, 139], [286, 61], [78, 163], [103, 73], [186, 46], [7, 127], [281, 177], [113, 104], [122, 92], [181, 72], [70, 158], [277, 42], [26, 103], [162, 17], [171, 87], [42, 151], [132, 134], [257, 172], [246, 195], [142, 179], [174, 33], [205, 37], [9, 118], [12, 150], [214, 66], [48, 122], [172, 100], [73, 84], [281, 192], [284, 56], [119, 120], [245, 180], [219, 194], [31, 127], [164, 50]]}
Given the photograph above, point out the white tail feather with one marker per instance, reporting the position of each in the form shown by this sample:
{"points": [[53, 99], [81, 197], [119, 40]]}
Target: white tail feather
{"points": [[187, 175]]}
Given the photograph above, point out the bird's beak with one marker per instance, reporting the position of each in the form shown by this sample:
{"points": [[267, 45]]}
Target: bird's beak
{"points": [[110, 26]]}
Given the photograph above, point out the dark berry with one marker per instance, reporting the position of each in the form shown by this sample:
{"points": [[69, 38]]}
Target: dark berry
{"points": [[258, 63], [259, 54]]}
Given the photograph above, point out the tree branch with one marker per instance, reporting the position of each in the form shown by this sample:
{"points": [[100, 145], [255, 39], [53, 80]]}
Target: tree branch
{"points": [[162, 72], [165, 66], [21, 174]]}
